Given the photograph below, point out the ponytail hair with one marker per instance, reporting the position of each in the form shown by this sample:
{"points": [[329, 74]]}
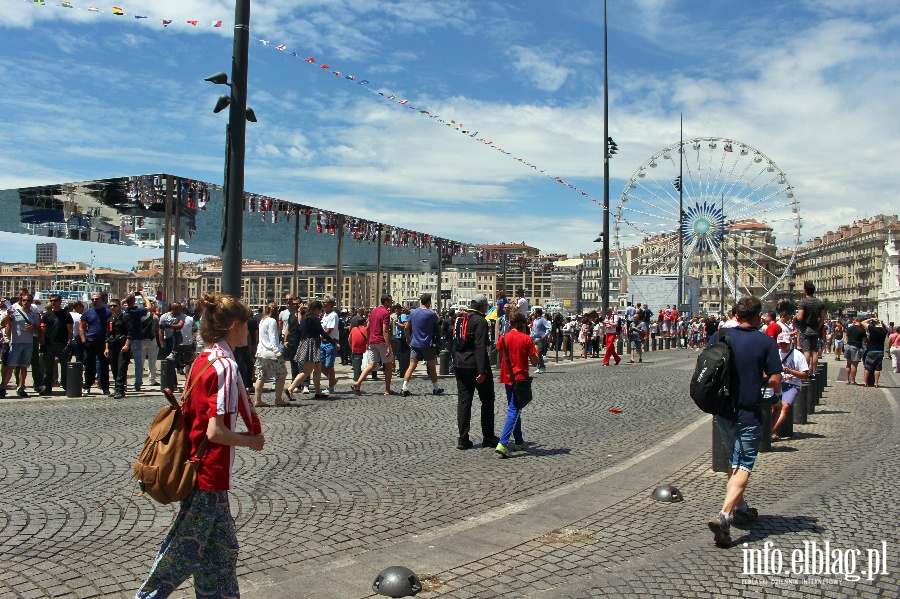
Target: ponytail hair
{"points": [[218, 315]]}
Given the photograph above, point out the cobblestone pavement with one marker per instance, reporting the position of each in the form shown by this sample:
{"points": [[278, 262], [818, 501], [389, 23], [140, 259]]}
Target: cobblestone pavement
{"points": [[352, 476]]}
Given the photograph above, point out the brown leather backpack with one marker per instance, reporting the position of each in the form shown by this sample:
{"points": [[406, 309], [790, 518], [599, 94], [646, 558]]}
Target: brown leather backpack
{"points": [[165, 469]]}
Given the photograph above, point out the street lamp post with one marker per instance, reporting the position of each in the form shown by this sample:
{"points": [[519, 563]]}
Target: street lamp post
{"points": [[235, 140], [604, 268]]}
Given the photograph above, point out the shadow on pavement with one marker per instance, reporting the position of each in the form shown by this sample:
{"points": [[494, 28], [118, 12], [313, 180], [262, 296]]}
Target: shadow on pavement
{"points": [[769, 525]]}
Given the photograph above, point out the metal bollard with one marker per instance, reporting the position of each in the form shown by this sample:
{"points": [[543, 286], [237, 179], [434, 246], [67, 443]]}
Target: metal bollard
{"points": [[799, 410], [647, 344], [816, 388], [403, 363], [765, 444], [167, 376], [824, 365], [74, 378], [445, 362], [619, 346], [668, 343], [787, 427], [495, 357], [806, 388], [721, 455]]}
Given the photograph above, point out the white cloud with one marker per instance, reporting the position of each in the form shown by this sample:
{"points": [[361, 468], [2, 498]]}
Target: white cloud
{"points": [[542, 72]]}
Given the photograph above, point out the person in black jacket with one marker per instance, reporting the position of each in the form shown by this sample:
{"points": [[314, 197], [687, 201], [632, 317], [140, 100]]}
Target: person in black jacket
{"points": [[473, 372], [118, 346]]}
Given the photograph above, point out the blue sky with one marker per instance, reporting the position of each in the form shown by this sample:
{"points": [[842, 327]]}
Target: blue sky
{"points": [[812, 84]]}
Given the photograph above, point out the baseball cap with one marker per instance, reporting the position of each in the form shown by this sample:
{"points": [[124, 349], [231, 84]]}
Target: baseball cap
{"points": [[784, 337], [480, 299]]}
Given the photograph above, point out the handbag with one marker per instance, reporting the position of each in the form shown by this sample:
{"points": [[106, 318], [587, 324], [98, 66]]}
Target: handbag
{"points": [[521, 389]]}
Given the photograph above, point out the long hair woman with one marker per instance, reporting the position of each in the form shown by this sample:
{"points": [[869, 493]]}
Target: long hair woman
{"points": [[269, 361], [202, 542]]}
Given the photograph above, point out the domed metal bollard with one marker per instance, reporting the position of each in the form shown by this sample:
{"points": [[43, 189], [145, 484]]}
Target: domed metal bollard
{"points": [[667, 494], [397, 581]]}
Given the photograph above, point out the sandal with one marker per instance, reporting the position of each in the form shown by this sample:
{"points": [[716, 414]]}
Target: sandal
{"points": [[289, 394], [281, 403], [357, 389], [390, 393], [262, 404]]}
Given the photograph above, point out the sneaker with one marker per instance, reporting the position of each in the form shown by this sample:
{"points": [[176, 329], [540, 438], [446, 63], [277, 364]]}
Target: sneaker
{"points": [[490, 442], [744, 517], [437, 391], [503, 451], [118, 395], [464, 444], [721, 529], [21, 392], [305, 391], [405, 393]]}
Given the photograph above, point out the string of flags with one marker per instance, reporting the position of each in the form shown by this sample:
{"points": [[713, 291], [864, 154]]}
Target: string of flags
{"points": [[364, 83]]}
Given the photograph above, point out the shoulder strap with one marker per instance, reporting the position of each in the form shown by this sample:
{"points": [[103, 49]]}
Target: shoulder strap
{"points": [[187, 391], [512, 373]]}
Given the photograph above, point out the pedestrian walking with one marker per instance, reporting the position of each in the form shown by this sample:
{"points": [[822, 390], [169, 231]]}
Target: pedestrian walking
{"points": [[540, 334], [329, 348], [379, 350], [202, 542], [612, 325], [516, 348], [309, 352], [639, 332], [269, 357], [422, 322], [359, 340], [150, 341], [754, 364], [894, 345], [810, 316], [876, 335], [853, 348], [473, 373]]}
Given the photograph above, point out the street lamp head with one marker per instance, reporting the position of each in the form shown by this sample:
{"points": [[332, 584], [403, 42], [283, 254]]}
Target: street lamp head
{"points": [[251, 116], [222, 103], [219, 78]]}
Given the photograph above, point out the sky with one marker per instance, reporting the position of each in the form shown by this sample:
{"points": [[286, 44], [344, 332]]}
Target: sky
{"points": [[812, 84]]}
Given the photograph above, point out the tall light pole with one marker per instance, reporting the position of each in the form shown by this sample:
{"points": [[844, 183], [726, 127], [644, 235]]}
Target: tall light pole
{"points": [[235, 140], [681, 217], [604, 267]]}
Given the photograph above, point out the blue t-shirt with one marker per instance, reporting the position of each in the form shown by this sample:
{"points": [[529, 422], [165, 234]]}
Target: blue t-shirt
{"points": [[755, 353], [422, 321], [96, 323], [540, 328]]}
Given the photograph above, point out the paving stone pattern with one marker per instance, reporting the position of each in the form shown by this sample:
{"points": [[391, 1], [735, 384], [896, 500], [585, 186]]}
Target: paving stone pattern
{"points": [[835, 480], [343, 474]]}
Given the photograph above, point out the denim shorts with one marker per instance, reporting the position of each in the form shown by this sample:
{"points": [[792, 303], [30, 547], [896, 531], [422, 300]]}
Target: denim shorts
{"points": [[743, 441], [326, 355], [19, 355]]}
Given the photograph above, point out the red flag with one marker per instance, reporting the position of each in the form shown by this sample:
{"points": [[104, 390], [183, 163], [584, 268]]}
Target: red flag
{"points": [[310, 59], [217, 23], [194, 23]]}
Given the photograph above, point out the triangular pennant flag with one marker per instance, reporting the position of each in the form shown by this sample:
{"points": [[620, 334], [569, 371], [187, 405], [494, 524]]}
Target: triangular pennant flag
{"points": [[194, 23], [167, 22], [217, 23], [118, 11], [67, 5]]}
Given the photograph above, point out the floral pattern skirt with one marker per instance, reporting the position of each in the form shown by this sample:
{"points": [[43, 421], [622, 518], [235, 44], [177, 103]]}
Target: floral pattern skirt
{"points": [[201, 543]]}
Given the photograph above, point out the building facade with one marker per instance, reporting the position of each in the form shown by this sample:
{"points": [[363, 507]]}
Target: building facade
{"points": [[45, 253]]}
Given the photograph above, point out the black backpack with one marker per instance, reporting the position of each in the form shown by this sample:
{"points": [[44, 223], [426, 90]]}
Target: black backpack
{"points": [[712, 375]]}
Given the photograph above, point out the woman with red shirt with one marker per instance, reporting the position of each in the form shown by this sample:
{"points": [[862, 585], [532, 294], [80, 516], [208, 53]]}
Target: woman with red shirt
{"points": [[521, 350], [202, 542]]}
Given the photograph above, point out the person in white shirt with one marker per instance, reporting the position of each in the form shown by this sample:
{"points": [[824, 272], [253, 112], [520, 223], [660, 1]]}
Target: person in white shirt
{"points": [[796, 369], [522, 303], [328, 351]]}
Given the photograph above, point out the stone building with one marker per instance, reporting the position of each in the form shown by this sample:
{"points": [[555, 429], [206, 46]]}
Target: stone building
{"points": [[847, 265], [889, 292]]}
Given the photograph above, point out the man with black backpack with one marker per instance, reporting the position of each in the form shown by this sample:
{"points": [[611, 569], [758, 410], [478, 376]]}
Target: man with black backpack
{"points": [[473, 373], [752, 362], [809, 319]]}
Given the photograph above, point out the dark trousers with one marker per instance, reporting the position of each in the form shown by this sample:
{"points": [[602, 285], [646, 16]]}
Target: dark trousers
{"points": [[245, 365], [119, 361], [466, 387], [37, 365], [93, 352], [53, 354]]}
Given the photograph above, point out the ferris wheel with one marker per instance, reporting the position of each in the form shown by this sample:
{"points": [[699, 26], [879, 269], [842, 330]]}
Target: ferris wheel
{"points": [[740, 224]]}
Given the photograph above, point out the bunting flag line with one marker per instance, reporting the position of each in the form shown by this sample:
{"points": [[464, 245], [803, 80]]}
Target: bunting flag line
{"points": [[452, 123]]}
